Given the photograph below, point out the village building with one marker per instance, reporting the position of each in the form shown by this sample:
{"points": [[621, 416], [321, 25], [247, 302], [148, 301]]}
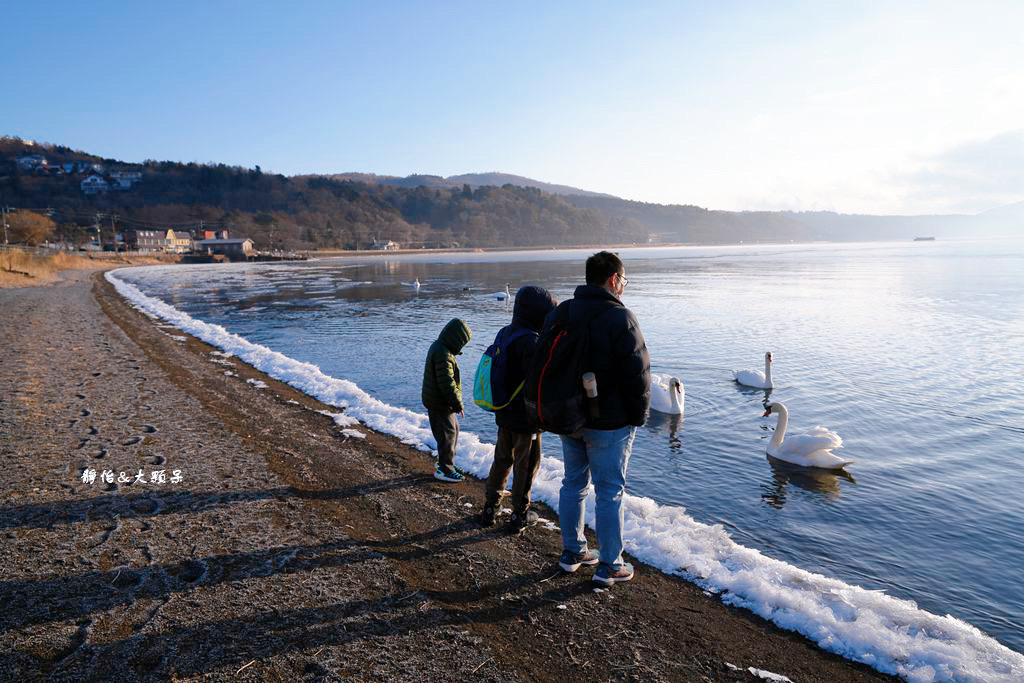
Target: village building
{"points": [[137, 239], [177, 241], [239, 249], [385, 245], [214, 234]]}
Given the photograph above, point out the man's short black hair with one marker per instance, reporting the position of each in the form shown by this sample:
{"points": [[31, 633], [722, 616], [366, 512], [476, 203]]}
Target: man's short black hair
{"points": [[602, 266]]}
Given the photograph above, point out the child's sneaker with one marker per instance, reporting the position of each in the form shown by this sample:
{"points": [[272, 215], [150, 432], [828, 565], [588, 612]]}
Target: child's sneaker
{"points": [[452, 476], [520, 520], [606, 576], [570, 561]]}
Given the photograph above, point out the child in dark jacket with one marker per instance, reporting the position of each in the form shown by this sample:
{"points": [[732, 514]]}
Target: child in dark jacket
{"points": [[442, 395], [518, 445]]}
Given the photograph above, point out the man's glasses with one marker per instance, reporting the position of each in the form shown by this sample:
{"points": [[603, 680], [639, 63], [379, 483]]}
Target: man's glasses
{"points": [[624, 280]]}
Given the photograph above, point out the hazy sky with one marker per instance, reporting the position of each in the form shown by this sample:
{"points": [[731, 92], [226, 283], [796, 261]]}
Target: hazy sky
{"points": [[860, 107]]}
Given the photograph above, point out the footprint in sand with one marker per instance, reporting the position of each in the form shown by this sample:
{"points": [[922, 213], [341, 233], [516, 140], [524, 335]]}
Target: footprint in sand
{"points": [[156, 459], [85, 412], [189, 571], [131, 441], [93, 431], [146, 506], [149, 429], [100, 454], [127, 580]]}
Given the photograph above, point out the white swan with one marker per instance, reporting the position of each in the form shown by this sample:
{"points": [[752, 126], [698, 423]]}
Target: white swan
{"points": [[503, 296], [416, 284], [756, 378], [667, 394], [813, 449]]}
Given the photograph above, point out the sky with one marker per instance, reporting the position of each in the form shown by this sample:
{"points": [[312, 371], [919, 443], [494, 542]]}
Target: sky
{"points": [[859, 107]]}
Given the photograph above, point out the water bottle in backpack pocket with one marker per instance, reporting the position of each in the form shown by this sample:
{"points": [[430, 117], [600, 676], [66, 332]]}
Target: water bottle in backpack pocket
{"points": [[556, 400]]}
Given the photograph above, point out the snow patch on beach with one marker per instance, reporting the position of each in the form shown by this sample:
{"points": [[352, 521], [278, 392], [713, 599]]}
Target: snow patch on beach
{"points": [[890, 634]]}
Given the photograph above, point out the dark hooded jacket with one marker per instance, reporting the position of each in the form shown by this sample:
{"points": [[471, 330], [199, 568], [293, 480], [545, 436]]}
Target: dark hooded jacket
{"points": [[442, 384], [617, 355], [532, 305]]}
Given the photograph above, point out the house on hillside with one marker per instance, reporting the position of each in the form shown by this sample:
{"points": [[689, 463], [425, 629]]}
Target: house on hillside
{"points": [[240, 249], [177, 241], [94, 184], [32, 162], [385, 245], [123, 180], [137, 239]]}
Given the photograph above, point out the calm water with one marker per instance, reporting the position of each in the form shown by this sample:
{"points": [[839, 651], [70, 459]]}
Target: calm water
{"points": [[913, 352]]}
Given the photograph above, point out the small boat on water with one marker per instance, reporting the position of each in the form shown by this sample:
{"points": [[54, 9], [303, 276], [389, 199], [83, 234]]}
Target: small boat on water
{"points": [[924, 239]]}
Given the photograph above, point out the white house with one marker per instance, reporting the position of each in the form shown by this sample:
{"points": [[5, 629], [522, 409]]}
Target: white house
{"points": [[31, 162], [125, 179], [94, 184]]}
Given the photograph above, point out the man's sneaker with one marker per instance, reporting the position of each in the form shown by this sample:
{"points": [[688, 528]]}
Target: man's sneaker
{"points": [[487, 516], [452, 476], [570, 561], [606, 576]]}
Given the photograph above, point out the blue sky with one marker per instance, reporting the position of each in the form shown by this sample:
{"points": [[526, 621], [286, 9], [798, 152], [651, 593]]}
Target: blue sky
{"points": [[871, 107]]}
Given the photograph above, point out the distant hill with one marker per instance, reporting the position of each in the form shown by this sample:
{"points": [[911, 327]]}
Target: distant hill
{"points": [[474, 180]]}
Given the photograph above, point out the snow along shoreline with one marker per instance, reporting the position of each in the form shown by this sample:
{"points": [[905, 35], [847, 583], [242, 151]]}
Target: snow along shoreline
{"points": [[889, 634]]}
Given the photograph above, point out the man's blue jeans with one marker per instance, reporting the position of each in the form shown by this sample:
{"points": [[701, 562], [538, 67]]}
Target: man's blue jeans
{"points": [[602, 455]]}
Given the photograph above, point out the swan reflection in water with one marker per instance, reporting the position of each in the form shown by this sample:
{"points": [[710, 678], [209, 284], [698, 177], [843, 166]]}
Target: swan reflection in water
{"points": [[815, 480], [662, 423]]}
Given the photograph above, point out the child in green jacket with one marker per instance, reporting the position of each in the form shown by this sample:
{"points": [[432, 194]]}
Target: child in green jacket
{"points": [[442, 395]]}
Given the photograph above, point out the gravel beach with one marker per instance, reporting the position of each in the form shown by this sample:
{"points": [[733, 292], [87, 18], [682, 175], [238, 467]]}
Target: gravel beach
{"points": [[245, 537]]}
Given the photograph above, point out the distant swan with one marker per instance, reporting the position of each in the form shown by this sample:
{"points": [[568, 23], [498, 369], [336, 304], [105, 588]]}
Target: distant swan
{"points": [[503, 296], [813, 449], [415, 284], [667, 394], [756, 378]]}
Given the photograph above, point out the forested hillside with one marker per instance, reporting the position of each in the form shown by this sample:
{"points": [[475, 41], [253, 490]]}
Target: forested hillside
{"points": [[353, 210], [299, 211]]}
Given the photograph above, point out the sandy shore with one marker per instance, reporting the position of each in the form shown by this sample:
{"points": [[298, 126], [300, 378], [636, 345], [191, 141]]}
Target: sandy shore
{"points": [[288, 551]]}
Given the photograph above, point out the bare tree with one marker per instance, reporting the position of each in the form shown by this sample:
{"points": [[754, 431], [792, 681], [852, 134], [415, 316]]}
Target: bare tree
{"points": [[29, 227]]}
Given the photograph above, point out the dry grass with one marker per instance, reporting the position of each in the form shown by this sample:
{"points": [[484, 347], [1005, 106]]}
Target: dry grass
{"points": [[29, 269]]}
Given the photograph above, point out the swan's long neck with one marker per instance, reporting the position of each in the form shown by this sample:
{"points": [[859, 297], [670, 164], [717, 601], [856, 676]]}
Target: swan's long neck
{"points": [[768, 371], [674, 392], [780, 426]]}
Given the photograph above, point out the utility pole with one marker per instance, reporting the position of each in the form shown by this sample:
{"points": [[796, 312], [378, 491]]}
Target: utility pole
{"points": [[3, 213]]}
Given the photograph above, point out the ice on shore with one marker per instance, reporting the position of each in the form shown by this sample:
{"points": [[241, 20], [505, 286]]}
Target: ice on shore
{"points": [[889, 634]]}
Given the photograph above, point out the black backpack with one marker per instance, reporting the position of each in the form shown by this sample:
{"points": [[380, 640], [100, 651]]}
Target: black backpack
{"points": [[554, 396]]}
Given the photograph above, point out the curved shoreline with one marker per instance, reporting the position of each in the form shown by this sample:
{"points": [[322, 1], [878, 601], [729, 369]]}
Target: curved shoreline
{"points": [[891, 634], [282, 502]]}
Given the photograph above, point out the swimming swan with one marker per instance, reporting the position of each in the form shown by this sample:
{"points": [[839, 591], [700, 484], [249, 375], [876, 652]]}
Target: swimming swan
{"points": [[667, 394], [813, 449], [503, 296], [756, 378]]}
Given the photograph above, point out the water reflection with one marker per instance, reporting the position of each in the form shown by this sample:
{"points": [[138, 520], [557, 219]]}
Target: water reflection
{"points": [[663, 425], [822, 482]]}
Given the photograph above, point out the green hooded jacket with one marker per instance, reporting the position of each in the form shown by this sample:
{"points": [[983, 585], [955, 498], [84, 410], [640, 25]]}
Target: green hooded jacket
{"points": [[442, 385]]}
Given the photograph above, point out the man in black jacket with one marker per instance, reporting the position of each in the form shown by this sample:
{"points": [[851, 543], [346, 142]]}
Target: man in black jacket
{"points": [[617, 355], [518, 444]]}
